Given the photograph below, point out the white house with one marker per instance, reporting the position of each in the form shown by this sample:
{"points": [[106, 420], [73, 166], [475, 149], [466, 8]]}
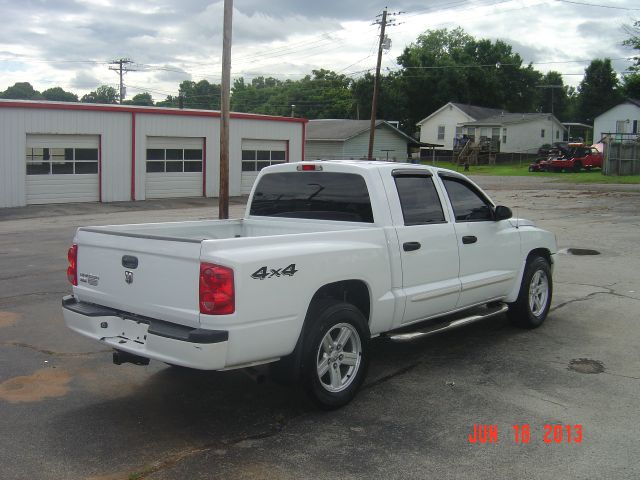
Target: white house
{"points": [[55, 152], [443, 125], [349, 139], [622, 118], [517, 132]]}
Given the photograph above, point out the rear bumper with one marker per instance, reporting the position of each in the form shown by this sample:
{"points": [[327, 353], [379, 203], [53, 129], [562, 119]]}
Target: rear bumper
{"points": [[168, 342]]}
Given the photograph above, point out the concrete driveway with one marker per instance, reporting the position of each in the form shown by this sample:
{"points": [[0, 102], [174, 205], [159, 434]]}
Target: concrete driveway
{"points": [[67, 412]]}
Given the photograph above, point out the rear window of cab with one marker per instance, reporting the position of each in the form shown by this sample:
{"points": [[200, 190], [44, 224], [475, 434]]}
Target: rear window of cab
{"points": [[313, 195]]}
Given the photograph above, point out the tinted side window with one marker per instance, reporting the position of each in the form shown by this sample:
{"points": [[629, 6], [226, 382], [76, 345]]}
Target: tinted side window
{"points": [[468, 206], [313, 195], [419, 200]]}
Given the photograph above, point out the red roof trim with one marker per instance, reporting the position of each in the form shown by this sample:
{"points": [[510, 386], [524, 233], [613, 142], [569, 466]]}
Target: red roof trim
{"points": [[145, 110]]}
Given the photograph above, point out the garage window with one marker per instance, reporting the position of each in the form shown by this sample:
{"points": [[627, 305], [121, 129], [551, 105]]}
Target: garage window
{"points": [[61, 161], [256, 160], [174, 160]]}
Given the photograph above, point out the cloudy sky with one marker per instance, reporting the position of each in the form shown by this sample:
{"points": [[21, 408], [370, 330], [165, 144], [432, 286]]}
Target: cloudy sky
{"points": [[69, 43]]}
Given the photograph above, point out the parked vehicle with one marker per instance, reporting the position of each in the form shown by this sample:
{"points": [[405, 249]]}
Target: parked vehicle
{"points": [[328, 255], [579, 157], [540, 164], [550, 149]]}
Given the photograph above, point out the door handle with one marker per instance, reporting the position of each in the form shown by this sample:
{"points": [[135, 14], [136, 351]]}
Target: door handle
{"points": [[469, 239], [411, 246]]}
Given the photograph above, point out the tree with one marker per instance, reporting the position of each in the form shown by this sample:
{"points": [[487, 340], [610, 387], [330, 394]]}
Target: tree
{"points": [[392, 99], [141, 99], [598, 91], [57, 94], [634, 42], [450, 65], [323, 94], [631, 85], [631, 81], [21, 91], [102, 94], [561, 107]]}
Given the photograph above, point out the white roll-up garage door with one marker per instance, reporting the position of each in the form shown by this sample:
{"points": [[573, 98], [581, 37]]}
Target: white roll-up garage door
{"points": [[62, 168], [257, 154], [173, 167]]}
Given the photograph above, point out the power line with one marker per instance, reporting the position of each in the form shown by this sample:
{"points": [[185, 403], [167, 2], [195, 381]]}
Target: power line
{"points": [[585, 4]]}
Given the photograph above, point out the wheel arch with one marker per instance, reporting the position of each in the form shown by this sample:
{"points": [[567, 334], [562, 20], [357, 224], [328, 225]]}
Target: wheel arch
{"points": [[536, 252], [353, 291]]}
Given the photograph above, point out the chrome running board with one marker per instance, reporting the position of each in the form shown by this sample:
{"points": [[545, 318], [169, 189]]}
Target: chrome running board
{"points": [[409, 336]]}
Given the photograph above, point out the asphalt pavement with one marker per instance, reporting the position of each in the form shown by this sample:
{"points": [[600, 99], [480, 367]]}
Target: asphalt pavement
{"points": [[66, 412]]}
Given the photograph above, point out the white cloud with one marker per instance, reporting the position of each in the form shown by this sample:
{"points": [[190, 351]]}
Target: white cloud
{"points": [[285, 38]]}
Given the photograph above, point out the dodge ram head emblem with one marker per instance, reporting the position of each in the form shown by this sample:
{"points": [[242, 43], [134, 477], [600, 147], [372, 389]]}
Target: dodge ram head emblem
{"points": [[128, 276]]}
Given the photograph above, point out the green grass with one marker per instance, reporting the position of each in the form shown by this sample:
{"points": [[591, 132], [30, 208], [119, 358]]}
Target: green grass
{"points": [[521, 170]]}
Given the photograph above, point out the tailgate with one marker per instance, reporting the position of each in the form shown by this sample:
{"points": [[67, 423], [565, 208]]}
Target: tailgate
{"points": [[157, 277]]}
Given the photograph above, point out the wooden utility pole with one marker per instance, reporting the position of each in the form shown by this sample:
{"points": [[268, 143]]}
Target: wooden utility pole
{"points": [[225, 106], [122, 66], [374, 100]]}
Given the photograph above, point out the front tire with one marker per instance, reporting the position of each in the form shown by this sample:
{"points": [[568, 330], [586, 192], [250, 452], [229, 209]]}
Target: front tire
{"points": [[534, 299], [335, 354]]}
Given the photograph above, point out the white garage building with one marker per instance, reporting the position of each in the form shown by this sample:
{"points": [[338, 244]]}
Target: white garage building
{"points": [[54, 152]]}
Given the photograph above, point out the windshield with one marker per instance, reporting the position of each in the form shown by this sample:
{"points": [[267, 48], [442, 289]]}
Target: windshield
{"points": [[313, 195]]}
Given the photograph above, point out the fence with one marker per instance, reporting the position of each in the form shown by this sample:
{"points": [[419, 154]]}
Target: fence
{"points": [[621, 154]]}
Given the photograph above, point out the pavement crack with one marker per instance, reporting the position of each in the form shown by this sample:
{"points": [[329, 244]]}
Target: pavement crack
{"points": [[390, 376], [591, 295], [178, 457], [547, 400], [52, 352]]}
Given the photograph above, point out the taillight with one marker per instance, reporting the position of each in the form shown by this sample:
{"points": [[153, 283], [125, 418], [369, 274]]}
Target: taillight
{"points": [[217, 295], [72, 269]]}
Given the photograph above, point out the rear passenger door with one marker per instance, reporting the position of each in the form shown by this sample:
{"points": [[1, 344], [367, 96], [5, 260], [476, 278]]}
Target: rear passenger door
{"points": [[489, 250], [428, 248]]}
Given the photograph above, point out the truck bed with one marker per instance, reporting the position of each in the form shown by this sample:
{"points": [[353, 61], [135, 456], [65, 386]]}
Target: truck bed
{"points": [[197, 231]]}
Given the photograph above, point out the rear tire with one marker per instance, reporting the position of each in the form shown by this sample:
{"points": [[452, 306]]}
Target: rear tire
{"points": [[534, 299], [335, 354]]}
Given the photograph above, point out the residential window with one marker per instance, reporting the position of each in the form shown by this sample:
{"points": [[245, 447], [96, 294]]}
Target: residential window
{"points": [[468, 204], [484, 132], [174, 160], [256, 160], [419, 200], [440, 132], [495, 134], [458, 132], [557, 134], [504, 135], [471, 132], [542, 133], [61, 161], [621, 126]]}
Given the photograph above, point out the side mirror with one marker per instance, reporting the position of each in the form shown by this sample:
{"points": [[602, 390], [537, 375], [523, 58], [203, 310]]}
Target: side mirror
{"points": [[502, 213]]}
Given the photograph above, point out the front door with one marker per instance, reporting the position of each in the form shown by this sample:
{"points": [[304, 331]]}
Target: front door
{"points": [[489, 250], [428, 249]]}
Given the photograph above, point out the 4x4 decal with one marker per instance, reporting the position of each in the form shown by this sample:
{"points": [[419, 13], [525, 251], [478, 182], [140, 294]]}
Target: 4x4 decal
{"points": [[265, 272]]}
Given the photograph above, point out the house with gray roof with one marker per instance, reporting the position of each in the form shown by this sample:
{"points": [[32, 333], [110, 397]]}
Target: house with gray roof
{"points": [[443, 125], [516, 132], [332, 139]]}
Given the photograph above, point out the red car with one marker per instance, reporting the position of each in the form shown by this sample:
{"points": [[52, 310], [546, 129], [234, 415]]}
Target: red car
{"points": [[577, 159], [540, 165]]}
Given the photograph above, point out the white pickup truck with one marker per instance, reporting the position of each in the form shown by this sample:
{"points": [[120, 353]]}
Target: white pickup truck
{"points": [[328, 255]]}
